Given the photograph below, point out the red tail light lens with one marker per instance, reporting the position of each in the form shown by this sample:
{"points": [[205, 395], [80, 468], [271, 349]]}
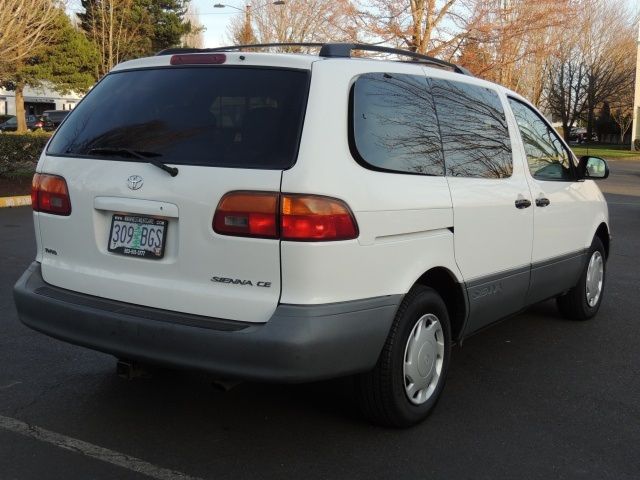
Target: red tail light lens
{"points": [[247, 214], [312, 218], [49, 194], [299, 218]]}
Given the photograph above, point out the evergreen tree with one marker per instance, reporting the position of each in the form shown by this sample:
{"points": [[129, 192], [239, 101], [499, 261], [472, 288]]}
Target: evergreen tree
{"points": [[166, 18], [70, 65]]}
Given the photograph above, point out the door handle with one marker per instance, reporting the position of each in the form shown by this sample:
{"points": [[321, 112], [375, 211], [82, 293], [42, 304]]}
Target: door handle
{"points": [[523, 203], [542, 202]]}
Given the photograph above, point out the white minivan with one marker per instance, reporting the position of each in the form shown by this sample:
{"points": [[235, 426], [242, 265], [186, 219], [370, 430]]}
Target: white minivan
{"points": [[294, 217]]}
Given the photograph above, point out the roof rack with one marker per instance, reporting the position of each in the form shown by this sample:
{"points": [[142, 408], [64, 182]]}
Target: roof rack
{"points": [[331, 50]]}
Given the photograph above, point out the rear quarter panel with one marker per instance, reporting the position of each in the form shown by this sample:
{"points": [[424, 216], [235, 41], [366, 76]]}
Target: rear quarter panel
{"points": [[404, 220]]}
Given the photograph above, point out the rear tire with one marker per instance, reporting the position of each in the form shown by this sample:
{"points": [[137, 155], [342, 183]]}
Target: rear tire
{"points": [[406, 383], [583, 301]]}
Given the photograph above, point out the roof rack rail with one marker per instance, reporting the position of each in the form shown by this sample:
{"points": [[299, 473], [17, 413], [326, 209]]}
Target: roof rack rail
{"points": [[179, 50], [344, 50], [332, 50]]}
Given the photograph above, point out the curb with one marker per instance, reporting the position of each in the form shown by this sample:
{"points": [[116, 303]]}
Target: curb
{"points": [[21, 201]]}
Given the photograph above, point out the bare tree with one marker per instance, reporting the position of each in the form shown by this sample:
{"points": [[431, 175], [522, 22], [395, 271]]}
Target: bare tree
{"points": [[607, 45], [423, 26], [509, 41], [567, 89], [294, 22], [24, 28], [623, 117], [194, 38], [622, 110], [27, 28]]}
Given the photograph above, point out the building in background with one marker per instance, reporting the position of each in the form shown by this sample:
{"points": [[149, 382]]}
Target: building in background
{"points": [[635, 129], [37, 101]]}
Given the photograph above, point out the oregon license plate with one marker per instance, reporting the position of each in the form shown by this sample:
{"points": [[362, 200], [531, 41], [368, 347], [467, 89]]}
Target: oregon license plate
{"points": [[137, 236]]}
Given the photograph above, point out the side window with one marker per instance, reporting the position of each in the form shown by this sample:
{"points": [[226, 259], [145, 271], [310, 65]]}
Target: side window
{"points": [[394, 125], [475, 136], [547, 157]]}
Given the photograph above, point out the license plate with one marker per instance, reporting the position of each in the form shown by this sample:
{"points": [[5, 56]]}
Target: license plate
{"points": [[137, 236]]}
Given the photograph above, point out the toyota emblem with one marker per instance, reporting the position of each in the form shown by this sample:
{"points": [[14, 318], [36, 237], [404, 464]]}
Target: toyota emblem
{"points": [[134, 182]]}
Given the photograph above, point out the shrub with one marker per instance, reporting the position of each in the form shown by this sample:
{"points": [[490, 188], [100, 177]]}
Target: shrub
{"points": [[636, 144], [19, 152]]}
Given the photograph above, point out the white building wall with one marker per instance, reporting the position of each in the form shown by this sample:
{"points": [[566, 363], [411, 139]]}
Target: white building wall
{"points": [[635, 129], [39, 96]]}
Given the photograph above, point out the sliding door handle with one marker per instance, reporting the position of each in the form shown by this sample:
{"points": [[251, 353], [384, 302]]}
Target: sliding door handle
{"points": [[523, 203]]}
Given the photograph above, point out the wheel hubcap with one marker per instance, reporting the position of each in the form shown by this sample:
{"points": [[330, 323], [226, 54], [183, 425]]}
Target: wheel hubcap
{"points": [[423, 357], [595, 275]]}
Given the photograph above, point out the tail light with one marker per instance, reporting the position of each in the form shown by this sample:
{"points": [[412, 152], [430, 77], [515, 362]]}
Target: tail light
{"points": [[311, 218], [301, 218], [247, 214], [49, 194]]}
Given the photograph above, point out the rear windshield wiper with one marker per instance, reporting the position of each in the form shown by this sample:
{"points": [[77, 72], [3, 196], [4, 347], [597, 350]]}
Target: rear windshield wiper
{"points": [[140, 154]]}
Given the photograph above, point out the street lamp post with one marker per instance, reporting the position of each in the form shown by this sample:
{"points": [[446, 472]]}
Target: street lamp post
{"points": [[247, 24]]}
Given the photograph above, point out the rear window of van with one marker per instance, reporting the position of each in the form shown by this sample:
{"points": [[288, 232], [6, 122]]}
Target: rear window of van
{"points": [[211, 116]]}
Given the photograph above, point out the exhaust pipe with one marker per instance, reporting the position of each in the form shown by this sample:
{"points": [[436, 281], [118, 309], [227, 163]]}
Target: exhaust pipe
{"points": [[130, 370], [224, 384]]}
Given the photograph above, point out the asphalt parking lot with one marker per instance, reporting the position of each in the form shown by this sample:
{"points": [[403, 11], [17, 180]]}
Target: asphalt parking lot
{"points": [[535, 397]]}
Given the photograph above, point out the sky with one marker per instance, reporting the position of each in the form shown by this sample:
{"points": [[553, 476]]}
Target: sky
{"points": [[215, 20]]}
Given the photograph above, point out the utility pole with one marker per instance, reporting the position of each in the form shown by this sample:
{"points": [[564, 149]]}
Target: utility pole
{"points": [[247, 27], [248, 33]]}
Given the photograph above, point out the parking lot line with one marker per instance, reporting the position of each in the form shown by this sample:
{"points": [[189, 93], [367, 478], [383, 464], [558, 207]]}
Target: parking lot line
{"points": [[94, 451], [15, 201]]}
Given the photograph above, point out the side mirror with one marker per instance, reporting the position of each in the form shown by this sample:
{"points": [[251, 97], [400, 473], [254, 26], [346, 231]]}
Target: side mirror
{"points": [[592, 168]]}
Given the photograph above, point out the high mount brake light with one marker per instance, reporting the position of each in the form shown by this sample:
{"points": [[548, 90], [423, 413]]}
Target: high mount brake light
{"points": [[298, 218], [198, 59], [49, 194]]}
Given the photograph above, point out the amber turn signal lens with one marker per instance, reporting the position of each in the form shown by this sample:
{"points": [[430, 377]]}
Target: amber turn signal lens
{"points": [[313, 218], [297, 218]]}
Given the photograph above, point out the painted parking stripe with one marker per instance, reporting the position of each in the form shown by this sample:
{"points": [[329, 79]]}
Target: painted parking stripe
{"points": [[84, 448], [15, 201]]}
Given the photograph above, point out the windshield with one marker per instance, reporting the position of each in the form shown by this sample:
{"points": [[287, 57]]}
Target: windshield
{"points": [[213, 116]]}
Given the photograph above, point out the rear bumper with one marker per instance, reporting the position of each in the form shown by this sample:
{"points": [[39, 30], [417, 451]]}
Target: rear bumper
{"points": [[298, 343]]}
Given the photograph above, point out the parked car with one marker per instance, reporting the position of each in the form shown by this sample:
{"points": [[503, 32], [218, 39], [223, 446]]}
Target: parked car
{"points": [[292, 217], [579, 135], [33, 123], [53, 118]]}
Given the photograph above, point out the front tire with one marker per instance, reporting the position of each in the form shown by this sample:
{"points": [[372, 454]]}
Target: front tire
{"points": [[406, 383], [583, 301]]}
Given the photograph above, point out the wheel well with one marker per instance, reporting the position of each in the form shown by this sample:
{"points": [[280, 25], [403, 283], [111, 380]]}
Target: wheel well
{"points": [[603, 234], [443, 282]]}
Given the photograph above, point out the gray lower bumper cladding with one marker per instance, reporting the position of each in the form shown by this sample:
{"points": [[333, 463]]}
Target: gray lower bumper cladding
{"points": [[298, 343]]}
